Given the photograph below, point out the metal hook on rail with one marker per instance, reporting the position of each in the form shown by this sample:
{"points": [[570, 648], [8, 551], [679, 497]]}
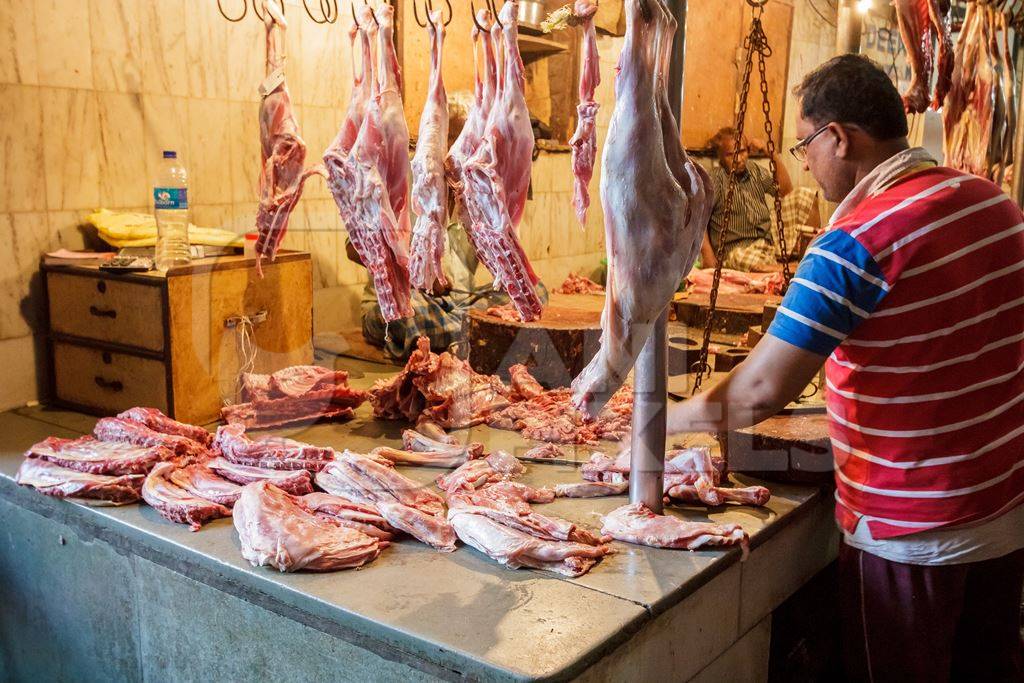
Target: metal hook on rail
{"points": [[245, 10], [355, 21], [428, 7], [259, 14], [472, 14], [328, 12], [494, 11]]}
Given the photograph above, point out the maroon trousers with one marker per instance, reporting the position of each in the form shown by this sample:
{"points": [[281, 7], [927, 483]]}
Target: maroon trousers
{"points": [[904, 622]]}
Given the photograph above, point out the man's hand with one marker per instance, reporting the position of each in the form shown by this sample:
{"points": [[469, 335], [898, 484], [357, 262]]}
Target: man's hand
{"points": [[775, 373]]}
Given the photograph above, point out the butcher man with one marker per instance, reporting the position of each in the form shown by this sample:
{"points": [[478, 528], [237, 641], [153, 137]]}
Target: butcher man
{"points": [[913, 299]]}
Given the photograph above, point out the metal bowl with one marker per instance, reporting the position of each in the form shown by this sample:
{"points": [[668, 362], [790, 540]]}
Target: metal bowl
{"points": [[531, 14]]}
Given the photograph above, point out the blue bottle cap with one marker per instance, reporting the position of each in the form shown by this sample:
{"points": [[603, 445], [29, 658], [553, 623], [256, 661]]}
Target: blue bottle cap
{"points": [[170, 154]]}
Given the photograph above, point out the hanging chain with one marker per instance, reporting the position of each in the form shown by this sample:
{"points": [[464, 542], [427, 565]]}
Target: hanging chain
{"points": [[755, 43]]}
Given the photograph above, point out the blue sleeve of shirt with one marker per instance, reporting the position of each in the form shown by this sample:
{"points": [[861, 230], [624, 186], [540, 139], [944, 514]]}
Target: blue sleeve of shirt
{"points": [[836, 286]]}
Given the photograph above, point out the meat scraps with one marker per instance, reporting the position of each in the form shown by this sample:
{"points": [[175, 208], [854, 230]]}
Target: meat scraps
{"points": [[177, 504], [404, 503], [270, 452], [442, 388], [295, 482], [413, 440], [158, 422], [498, 466], [699, 280], [635, 523], [921, 22], [302, 393], [275, 529], [443, 458], [592, 489], [545, 451], [551, 416], [524, 385], [118, 430], [692, 475], [657, 203], [61, 482], [579, 284], [359, 516], [87, 454]]}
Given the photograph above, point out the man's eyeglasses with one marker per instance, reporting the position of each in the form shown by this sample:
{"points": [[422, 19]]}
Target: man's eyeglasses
{"points": [[799, 150]]}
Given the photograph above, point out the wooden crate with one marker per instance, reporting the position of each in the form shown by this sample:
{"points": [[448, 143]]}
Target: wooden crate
{"points": [[117, 341]]}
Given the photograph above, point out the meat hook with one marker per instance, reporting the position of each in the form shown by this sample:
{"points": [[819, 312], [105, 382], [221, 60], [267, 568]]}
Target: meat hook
{"points": [[328, 12], [472, 9], [494, 11], [245, 10], [428, 8], [355, 21], [259, 13]]}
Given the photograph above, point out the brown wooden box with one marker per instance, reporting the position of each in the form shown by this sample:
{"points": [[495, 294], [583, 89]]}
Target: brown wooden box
{"points": [[118, 341]]}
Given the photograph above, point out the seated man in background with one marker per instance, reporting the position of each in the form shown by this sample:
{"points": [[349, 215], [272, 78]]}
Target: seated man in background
{"points": [[749, 237], [438, 315]]}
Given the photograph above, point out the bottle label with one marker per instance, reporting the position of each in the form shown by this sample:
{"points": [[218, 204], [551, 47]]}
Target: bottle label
{"points": [[170, 198]]}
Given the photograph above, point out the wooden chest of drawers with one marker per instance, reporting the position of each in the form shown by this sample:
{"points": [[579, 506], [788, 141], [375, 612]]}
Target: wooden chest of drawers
{"points": [[170, 341]]}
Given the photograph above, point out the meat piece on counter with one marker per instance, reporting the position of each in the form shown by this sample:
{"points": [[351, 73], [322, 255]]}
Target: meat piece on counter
{"points": [[439, 387], [432, 430], [270, 452], [516, 492], [86, 454], [429, 187], [158, 422], [359, 516], [635, 523], [61, 482], [498, 466], [506, 312], [295, 381], [509, 509], [579, 284], [277, 530], [413, 440], [203, 482], [591, 489], [295, 482], [524, 385], [406, 504], [117, 430], [545, 451], [175, 503], [656, 202], [283, 152], [496, 177], [584, 140], [422, 458], [922, 23], [699, 281], [515, 549], [552, 417]]}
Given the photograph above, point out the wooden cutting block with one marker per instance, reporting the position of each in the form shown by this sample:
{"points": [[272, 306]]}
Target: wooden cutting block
{"points": [[789, 448], [734, 313]]}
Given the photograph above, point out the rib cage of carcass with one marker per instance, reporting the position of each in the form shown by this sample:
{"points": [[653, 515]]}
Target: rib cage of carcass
{"points": [[980, 110], [656, 203]]}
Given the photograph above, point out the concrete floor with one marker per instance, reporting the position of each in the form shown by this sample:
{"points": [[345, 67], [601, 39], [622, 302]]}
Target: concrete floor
{"points": [[412, 614]]}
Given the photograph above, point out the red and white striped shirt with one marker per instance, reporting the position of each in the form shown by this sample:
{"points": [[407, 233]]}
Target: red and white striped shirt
{"points": [[926, 379]]}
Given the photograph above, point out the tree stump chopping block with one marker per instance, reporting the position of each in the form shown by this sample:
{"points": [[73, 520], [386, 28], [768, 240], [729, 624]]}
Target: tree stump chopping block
{"points": [[788, 448], [735, 313], [555, 348]]}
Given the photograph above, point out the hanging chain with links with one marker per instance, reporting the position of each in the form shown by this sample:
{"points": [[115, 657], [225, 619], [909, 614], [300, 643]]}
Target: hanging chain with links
{"points": [[755, 44]]}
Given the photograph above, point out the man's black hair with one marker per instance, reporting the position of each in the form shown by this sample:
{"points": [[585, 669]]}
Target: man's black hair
{"points": [[853, 89]]}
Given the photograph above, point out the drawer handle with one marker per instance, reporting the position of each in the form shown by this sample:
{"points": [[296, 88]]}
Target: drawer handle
{"points": [[113, 385], [103, 312]]}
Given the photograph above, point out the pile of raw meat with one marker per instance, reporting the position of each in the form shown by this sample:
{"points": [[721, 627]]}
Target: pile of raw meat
{"points": [[301, 393], [579, 284], [699, 280], [924, 25], [444, 390]]}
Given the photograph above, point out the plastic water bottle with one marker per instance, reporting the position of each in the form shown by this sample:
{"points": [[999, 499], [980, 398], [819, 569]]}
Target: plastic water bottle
{"points": [[170, 205]]}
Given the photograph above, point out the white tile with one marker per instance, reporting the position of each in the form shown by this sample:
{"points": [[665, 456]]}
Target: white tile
{"points": [[165, 127], [206, 41], [63, 43], [245, 151], [19, 61], [246, 56], [123, 178], [164, 57], [209, 131], [71, 158], [22, 162], [116, 40], [21, 302]]}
